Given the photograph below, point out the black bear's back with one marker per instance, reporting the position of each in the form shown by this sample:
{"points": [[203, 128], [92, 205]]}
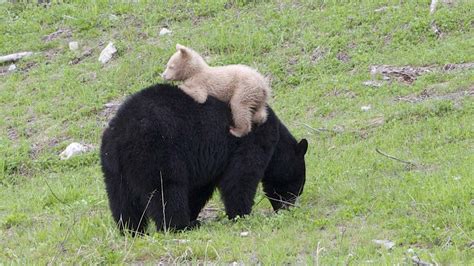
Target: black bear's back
{"points": [[161, 123]]}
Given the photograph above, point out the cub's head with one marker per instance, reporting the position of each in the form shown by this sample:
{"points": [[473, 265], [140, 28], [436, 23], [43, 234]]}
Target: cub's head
{"points": [[183, 64], [285, 175]]}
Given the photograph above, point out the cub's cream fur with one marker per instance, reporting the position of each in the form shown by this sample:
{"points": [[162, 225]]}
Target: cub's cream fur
{"points": [[244, 88]]}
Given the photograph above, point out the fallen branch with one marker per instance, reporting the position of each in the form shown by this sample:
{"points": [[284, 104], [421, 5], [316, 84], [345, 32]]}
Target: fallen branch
{"points": [[395, 158], [319, 130], [409, 74], [14, 57], [56, 34]]}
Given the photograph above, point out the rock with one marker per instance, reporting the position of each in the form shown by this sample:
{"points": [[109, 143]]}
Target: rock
{"points": [[181, 241], [244, 234], [11, 68], [373, 83], [385, 243], [73, 46], [410, 251], [113, 17], [74, 149], [366, 108], [112, 104], [107, 53], [164, 31], [417, 261], [14, 57]]}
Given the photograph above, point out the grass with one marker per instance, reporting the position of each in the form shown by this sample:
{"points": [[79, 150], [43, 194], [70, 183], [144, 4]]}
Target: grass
{"points": [[318, 54]]}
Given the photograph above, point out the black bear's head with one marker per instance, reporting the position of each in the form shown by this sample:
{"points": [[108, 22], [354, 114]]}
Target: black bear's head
{"points": [[285, 175]]}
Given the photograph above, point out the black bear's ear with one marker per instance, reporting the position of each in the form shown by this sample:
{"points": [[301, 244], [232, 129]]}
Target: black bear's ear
{"points": [[302, 147]]}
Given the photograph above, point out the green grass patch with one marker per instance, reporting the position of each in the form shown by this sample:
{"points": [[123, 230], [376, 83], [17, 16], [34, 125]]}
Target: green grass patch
{"points": [[318, 54]]}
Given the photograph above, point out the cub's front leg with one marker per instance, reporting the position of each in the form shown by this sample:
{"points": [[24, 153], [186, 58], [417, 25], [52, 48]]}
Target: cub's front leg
{"points": [[197, 93]]}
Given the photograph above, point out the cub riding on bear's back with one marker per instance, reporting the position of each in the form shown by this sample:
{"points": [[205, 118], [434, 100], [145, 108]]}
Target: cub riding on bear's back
{"points": [[246, 90], [163, 155]]}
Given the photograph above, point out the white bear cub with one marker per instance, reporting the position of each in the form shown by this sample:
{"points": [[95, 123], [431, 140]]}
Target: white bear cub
{"points": [[243, 87]]}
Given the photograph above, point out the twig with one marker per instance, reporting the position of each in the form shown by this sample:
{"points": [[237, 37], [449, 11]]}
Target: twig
{"points": [[139, 223], [282, 201], [54, 194], [318, 251], [321, 129], [163, 203], [68, 233], [395, 158]]}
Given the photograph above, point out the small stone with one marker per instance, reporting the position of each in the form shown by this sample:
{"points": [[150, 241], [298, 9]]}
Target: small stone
{"points": [[73, 149], [366, 108], [12, 67], [385, 243], [181, 241], [111, 104], [410, 251], [113, 17], [373, 83], [73, 46], [164, 31], [384, 8], [107, 53], [244, 234], [457, 178]]}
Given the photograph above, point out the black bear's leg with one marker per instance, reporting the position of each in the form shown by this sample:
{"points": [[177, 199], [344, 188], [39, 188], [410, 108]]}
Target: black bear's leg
{"points": [[127, 211], [197, 199], [238, 186], [169, 209]]}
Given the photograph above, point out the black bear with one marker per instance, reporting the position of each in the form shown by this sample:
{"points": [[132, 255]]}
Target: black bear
{"points": [[163, 155]]}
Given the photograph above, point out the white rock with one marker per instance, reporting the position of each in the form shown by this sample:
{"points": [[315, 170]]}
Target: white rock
{"points": [[12, 67], [73, 46], [366, 108], [373, 83], [410, 251], [112, 104], [165, 31], [73, 149], [244, 234], [385, 243], [107, 53], [113, 17]]}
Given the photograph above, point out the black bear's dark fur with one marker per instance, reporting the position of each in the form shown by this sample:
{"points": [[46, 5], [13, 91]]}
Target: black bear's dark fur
{"points": [[161, 136]]}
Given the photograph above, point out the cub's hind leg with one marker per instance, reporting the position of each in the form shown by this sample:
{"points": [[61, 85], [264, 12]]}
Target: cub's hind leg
{"points": [[242, 116], [260, 115]]}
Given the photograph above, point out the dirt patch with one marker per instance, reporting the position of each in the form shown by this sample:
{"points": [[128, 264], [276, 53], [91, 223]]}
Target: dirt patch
{"points": [[83, 56], [317, 55], [63, 32], [343, 57], [293, 61], [110, 109], [431, 94], [12, 134], [209, 213], [408, 74]]}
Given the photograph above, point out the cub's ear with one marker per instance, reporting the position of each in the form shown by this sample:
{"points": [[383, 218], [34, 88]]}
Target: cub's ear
{"points": [[183, 49], [302, 147]]}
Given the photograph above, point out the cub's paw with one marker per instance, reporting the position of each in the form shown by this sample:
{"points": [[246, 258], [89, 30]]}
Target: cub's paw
{"points": [[237, 132], [200, 97]]}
